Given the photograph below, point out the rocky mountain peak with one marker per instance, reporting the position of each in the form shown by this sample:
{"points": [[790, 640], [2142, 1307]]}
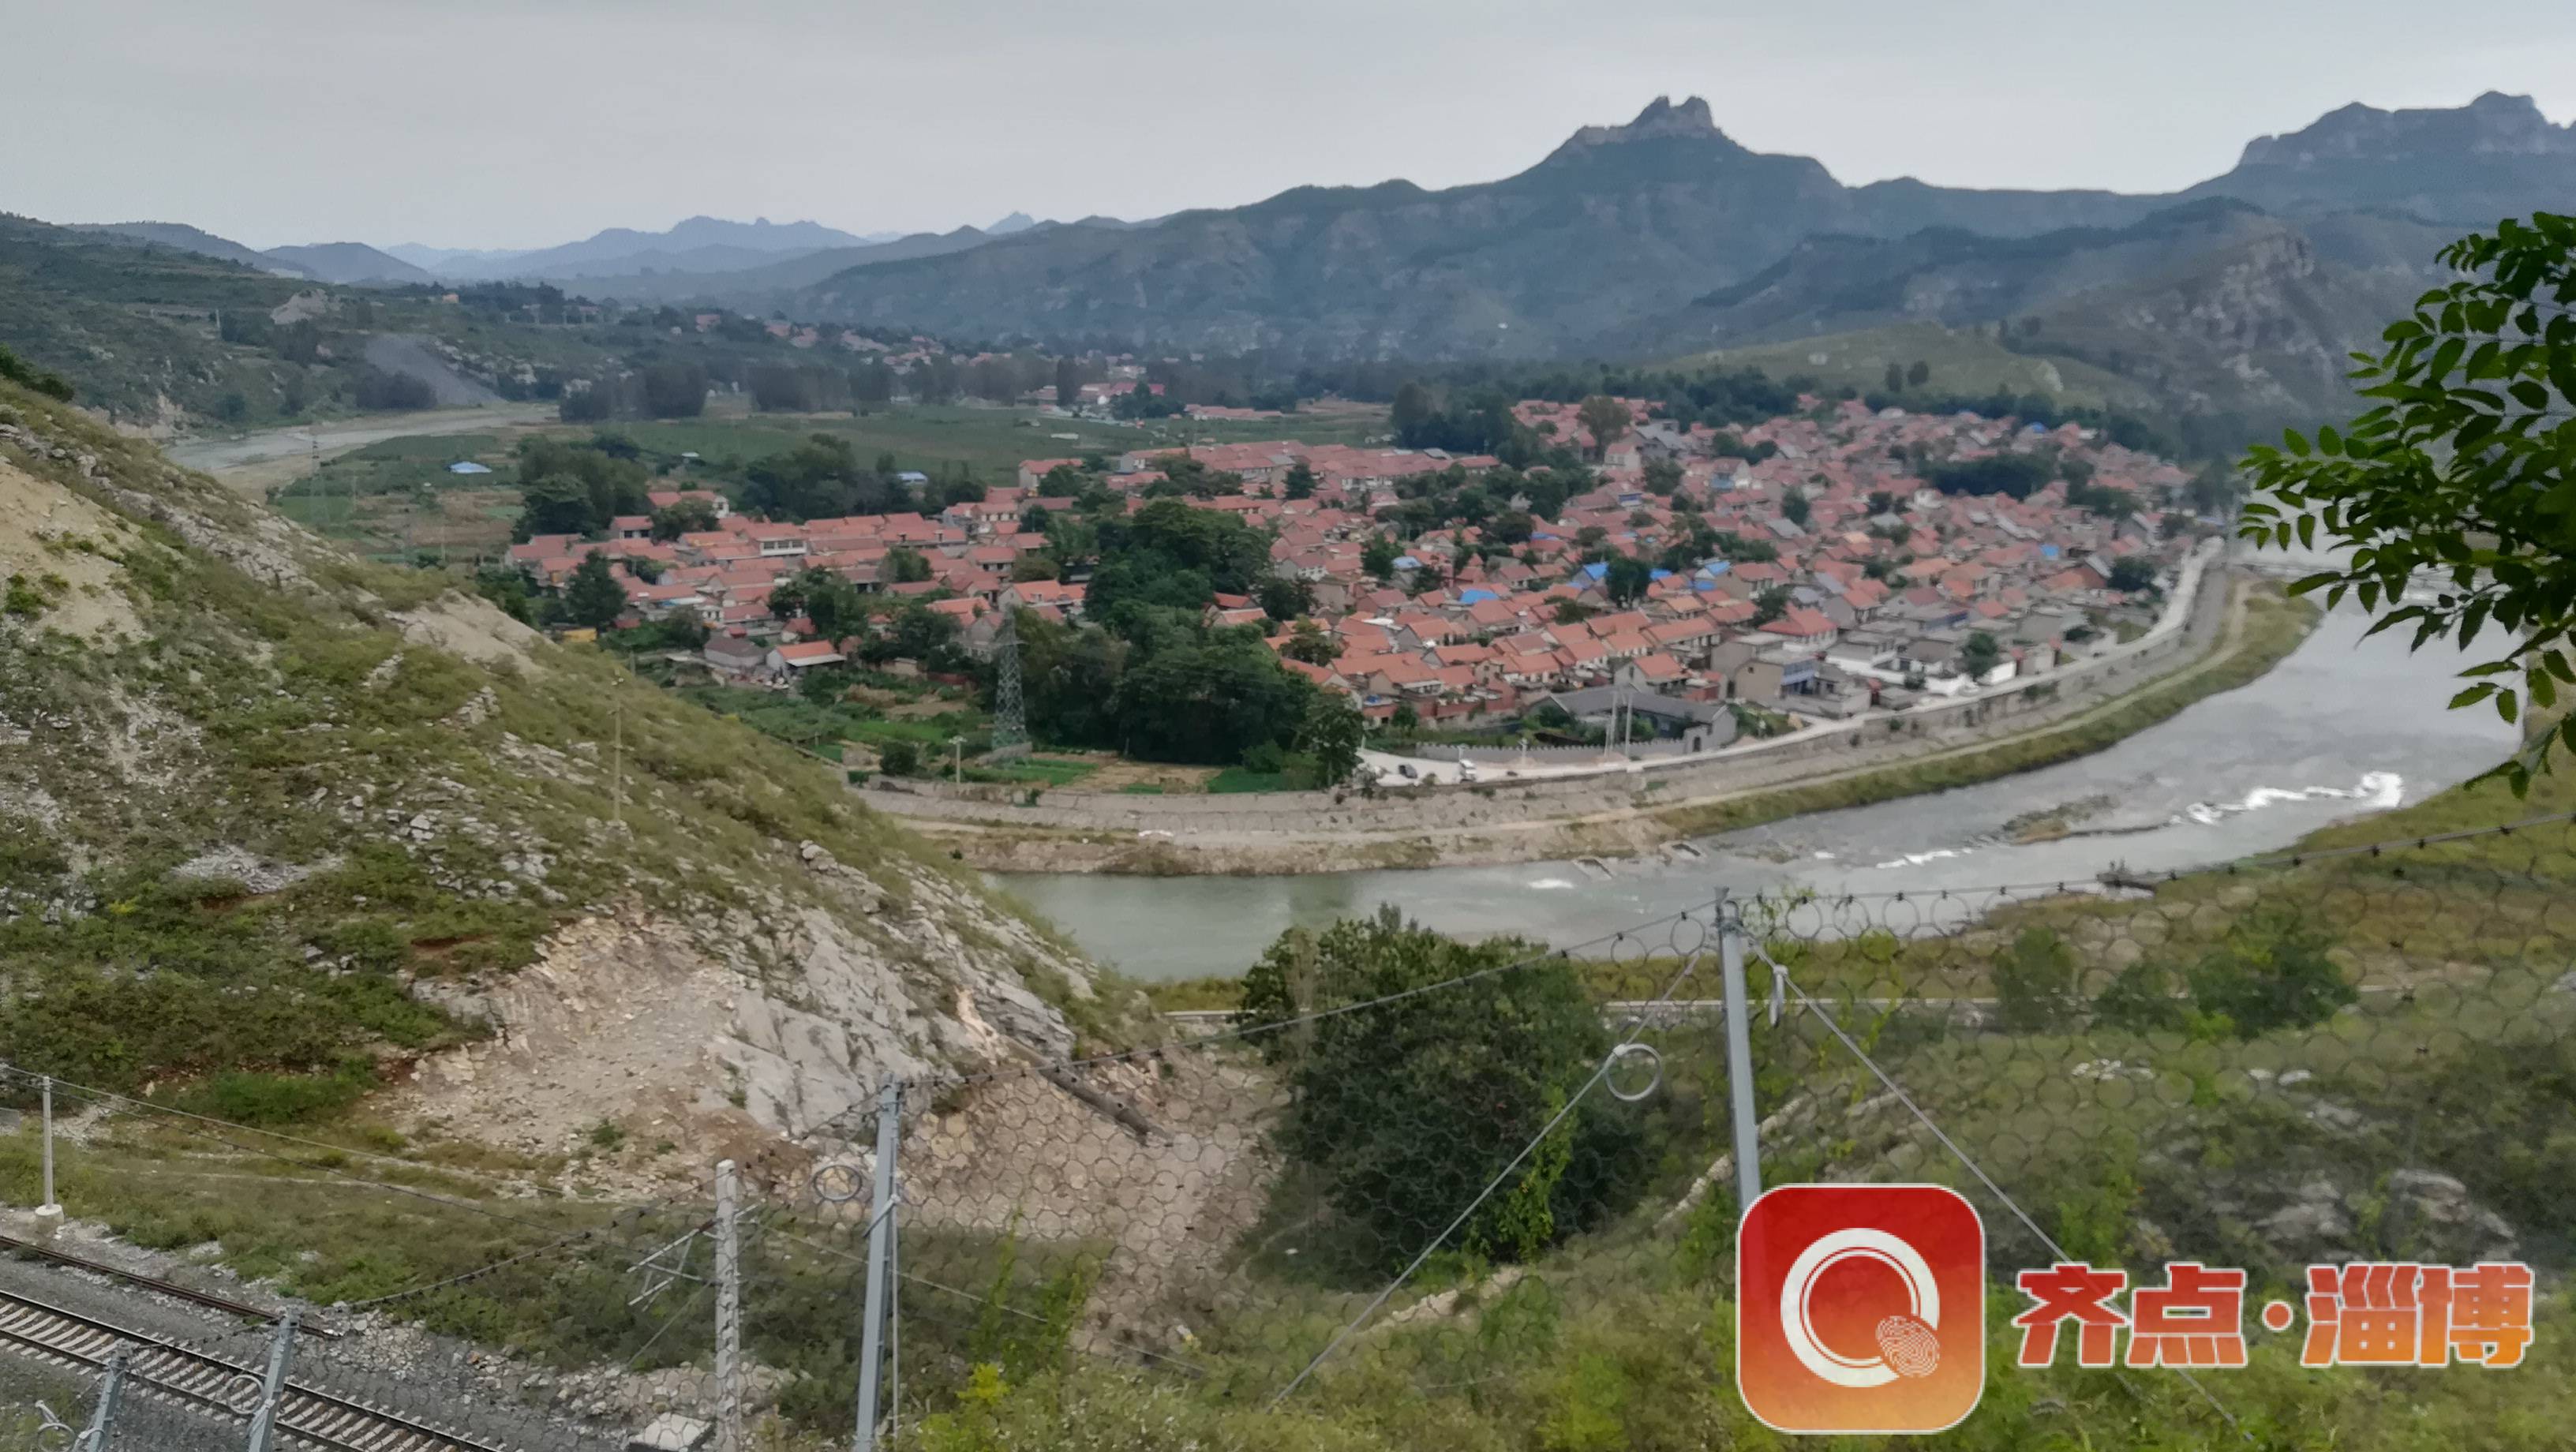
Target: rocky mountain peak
{"points": [[2493, 124], [1662, 117]]}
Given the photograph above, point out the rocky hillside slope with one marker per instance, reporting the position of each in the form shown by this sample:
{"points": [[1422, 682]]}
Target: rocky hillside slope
{"points": [[264, 808]]}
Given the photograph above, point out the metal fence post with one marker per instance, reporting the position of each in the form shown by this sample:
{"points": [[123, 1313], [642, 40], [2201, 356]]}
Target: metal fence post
{"points": [[1739, 1060], [872, 1328], [281, 1349], [111, 1393], [729, 1432]]}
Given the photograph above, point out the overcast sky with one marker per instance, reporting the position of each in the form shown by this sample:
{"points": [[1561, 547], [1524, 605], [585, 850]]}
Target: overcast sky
{"points": [[521, 123]]}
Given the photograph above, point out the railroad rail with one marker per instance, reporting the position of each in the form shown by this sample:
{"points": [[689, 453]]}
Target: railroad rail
{"points": [[164, 1287], [164, 1370]]}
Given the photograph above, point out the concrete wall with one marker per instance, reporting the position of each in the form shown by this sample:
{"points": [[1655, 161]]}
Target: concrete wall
{"points": [[2188, 629]]}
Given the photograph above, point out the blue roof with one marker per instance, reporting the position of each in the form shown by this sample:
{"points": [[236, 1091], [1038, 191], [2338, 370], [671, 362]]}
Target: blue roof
{"points": [[1476, 597], [1594, 571], [1407, 562], [467, 466], [1653, 575], [2048, 552], [1715, 568]]}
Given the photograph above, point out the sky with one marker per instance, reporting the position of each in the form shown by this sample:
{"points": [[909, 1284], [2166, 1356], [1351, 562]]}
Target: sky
{"points": [[524, 123]]}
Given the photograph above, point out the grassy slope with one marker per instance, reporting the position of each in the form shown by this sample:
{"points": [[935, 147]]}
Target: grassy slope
{"points": [[297, 725], [82, 306], [1962, 362]]}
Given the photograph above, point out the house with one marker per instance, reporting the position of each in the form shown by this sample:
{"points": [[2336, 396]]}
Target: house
{"points": [[733, 654], [793, 660]]}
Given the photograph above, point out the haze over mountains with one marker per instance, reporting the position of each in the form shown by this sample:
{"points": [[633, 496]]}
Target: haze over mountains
{"points": [[2239, 296]]}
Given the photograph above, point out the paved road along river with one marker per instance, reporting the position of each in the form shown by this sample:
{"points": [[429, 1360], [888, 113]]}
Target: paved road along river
{"points": [[2342, 728]]}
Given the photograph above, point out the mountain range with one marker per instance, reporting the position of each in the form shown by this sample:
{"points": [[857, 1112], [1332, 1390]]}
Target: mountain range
{"points": [[1666, 236]]}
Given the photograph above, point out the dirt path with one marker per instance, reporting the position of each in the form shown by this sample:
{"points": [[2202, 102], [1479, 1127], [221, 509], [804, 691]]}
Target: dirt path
{"points": [[255, 463], [1619, 831]]}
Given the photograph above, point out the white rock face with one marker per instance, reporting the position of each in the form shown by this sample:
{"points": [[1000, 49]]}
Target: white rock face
{"points": [[680, 1031]]}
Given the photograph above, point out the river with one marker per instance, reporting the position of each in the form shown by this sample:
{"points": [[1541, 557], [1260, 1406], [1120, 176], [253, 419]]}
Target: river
{"points": [[2344, 727]]}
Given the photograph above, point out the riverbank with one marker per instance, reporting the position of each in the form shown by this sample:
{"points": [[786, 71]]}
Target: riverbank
{"points": [[2246, 629]]}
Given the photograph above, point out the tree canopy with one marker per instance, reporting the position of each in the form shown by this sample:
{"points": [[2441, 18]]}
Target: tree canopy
{"points": [[1406, 1116], [2460, 472]]}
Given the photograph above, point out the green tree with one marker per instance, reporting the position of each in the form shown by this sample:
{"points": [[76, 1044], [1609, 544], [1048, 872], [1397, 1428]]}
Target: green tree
{"points": [[1979, 655], [1411, 410], [1404, 1117], [1895, 377], [1625, 579], [1795, 507], [1068, 383], [1919, 374], [2462, 470], [1663, 477], [1284, 597], [1331, 734], [1378, 557], [899, 758], [689, 516], [1299, 482], [1307, 642], [903, 566], [675, 390], [594, 598], [2132, 573], [1606, 418], [1770, 604]]}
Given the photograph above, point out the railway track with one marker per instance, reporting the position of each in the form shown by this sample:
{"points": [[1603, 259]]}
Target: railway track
{"points": [[166, 1371]]}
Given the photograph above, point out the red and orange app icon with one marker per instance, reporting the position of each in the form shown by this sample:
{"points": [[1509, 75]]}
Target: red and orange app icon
{"points": [[1861, 1308]]}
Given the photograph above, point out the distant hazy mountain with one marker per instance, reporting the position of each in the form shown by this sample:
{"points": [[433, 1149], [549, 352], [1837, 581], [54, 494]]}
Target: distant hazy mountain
{"points": [[438, 258], [2463, 167], [771, 283], [347, 262], [185, 238], [700, 244], [1623, 226], [2240, 296], [1016, 222]]}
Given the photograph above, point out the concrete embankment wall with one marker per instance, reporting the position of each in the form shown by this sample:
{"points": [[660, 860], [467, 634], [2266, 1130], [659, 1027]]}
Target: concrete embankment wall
{"points": [[1870, 741]]}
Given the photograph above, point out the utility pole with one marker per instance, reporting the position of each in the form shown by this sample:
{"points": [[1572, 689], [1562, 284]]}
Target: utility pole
{"points": [[111, 1395], [957, 760], [49, 1215], [729, 1429], [1739, 1057], [881, 1243], [281, 1349]]}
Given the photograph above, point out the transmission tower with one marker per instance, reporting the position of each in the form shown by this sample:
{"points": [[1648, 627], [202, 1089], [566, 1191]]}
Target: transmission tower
{"points": [[1010, 718]]}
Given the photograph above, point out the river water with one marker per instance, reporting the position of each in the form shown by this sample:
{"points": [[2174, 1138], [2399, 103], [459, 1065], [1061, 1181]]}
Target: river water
{"points": [[2342, 728]]}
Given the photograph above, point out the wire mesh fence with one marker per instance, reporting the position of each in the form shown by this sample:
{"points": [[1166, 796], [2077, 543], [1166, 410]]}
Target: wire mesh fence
{"points": [[1408, 1172]]}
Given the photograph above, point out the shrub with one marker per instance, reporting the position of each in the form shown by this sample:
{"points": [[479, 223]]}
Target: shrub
{"points": [[2272, 972], [2035, 982], [1406, 1116], [899, 758]]}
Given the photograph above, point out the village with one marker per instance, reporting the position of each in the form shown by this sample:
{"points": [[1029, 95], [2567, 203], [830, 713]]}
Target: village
{"points": [[1705, 587]]}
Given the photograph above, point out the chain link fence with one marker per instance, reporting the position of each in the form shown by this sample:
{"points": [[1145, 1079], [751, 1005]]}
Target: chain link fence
{"points": [[1408, 1174]]}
